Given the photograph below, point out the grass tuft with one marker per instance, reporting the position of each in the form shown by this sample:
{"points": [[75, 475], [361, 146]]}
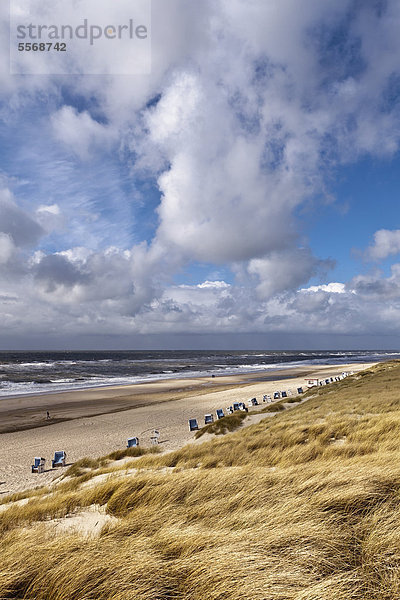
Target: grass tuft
{"points": [[221, 426]]}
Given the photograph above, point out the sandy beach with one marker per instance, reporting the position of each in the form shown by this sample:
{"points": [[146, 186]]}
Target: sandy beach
{"points": [[95, 422]]}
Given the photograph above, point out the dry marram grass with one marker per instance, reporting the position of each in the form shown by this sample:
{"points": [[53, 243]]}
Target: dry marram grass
{"points": [[302, 506]]}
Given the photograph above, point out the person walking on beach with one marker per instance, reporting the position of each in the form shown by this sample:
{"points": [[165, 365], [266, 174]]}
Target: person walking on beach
{"points": [[48, 416]]}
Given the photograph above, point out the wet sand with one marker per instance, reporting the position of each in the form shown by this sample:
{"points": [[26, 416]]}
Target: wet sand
{"points": [[94, 422], [29, 412]]}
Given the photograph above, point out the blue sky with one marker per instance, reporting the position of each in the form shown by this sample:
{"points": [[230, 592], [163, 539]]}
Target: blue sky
{"points": [[366, 198], [245, 189]]}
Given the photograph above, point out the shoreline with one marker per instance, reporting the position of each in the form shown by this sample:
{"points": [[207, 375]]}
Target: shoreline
{"points": [[24, 412], [93, 423], [27, 411], [152, 381]]}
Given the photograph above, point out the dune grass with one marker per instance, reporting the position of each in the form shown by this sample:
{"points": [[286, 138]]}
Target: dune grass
{"points": [[305, 505], [274, 407], [81, 467], [221, 426]]}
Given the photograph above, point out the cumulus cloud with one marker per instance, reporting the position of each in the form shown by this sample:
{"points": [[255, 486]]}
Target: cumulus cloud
{"points": [[285, 271], [49, 216], [233, 133], [79, 131], [386, 243], [334, 287]]}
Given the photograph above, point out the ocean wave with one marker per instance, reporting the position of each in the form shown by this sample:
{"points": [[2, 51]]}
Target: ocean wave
{"points": [[72, 372]]}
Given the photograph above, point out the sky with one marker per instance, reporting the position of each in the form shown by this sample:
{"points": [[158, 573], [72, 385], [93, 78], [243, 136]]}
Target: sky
{"points": [[242, 194]]}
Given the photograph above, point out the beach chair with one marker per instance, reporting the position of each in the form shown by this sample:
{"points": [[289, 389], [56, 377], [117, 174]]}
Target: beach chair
{"points": [[59, 459], [193, 425], [220, 413], [155, 437], [277, 395], [236, 406], [300, 390], [38, 464], [133, 442], [269, 399], [229, 410], [284, 394], [327, 381], [208, 419]]}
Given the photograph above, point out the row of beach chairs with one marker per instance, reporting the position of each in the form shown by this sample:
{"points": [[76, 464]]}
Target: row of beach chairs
{"points": [[318, 382], [282, 394], [209, 418], [39, 463]]}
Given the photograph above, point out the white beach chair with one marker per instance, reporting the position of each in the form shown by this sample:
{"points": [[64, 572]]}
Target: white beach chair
{"points": [[38, 464], [155, 437]]}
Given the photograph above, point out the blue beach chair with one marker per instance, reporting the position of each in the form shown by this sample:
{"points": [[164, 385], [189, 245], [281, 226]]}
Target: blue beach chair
{"points": [[133, 442], [220, 413], [59, 459], [193, 425]]}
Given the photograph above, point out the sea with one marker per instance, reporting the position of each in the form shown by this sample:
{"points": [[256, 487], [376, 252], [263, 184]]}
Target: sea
{"points": [[39, 372]]}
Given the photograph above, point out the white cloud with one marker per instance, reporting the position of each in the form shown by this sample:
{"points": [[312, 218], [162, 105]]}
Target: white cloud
{"points": [[386, 243], [219, 285], [237, 126], [50, 217], [284, 271], [79, 131], [331, 288]]}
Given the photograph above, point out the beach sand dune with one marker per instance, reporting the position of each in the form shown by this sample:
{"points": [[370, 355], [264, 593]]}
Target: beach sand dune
{"points": [[96, 422]]}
